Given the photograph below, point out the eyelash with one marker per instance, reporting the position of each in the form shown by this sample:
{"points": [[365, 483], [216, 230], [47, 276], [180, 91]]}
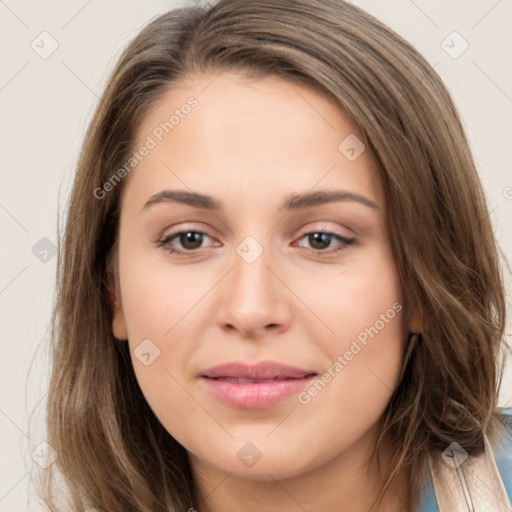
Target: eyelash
{"points": [[345, 242]]}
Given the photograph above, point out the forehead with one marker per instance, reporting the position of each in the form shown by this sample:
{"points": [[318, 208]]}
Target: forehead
{"points": [[224, 131], [231, 98]]}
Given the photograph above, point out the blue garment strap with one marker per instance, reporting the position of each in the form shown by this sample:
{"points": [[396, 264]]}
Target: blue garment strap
{"points": [[503, 457]]}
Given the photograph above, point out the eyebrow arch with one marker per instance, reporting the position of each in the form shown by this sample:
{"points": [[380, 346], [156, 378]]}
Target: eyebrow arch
{"points": [[309, 199], [292, 202]]}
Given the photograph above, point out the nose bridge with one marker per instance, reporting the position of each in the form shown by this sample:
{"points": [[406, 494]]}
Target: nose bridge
{"points": [[252, 297], [251, 280]]}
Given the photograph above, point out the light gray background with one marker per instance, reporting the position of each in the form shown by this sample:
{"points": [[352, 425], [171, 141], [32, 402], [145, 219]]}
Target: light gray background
{"points": [[45, 105]]}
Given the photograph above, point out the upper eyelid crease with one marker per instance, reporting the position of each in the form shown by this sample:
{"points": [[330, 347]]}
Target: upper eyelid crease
{"points": [[292, 202]]}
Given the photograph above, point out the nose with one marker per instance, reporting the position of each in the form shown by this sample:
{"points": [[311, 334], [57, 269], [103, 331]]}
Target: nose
{"points": [[254, 299]]}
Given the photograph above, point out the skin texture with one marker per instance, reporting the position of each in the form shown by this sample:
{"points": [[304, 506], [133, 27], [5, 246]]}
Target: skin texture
{"points": [[250, 143]]}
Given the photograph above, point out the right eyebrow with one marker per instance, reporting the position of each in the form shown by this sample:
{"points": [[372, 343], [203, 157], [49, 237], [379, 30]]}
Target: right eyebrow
{"points": [[182, 196]]}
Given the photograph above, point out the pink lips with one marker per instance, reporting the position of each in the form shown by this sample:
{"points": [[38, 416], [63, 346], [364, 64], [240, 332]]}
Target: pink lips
{"points": [[255, 386]]}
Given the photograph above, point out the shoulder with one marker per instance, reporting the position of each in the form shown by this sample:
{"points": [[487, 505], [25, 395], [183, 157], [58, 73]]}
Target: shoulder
{"points": [[506, 412], [503, 452], [502, 455]]}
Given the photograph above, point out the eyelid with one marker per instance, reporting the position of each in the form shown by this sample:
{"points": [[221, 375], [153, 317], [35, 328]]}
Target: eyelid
{"points": [[304, 231], [180, 228], [322, 229], [332, 251], [165, 238]]}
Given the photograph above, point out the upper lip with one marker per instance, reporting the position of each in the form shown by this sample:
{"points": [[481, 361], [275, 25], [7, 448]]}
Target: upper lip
{"points": [[261, 370]]}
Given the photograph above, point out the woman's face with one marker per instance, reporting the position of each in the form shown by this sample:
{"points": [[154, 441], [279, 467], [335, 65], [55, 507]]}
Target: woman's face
{"points": [[287, 277]]}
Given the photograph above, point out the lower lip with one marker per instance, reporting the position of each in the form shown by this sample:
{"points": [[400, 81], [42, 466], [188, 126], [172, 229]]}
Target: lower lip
{"points": [[258, 395]]}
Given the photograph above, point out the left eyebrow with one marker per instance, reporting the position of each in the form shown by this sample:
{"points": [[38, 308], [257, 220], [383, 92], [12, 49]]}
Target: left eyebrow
{"points": [[292, 202], [310, 199]]}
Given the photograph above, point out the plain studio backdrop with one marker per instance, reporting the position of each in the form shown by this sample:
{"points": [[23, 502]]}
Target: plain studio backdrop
{"points": [[56, 58]]}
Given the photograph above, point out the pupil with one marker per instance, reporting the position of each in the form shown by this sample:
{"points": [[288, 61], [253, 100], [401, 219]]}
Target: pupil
{"points": [[322, 238]]}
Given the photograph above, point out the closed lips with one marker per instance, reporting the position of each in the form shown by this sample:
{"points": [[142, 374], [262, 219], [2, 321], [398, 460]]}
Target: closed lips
{"points": [[240, 380], [255, 386], [266, 371]]}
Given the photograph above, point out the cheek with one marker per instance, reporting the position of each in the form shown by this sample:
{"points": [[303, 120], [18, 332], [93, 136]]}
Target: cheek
{"points": [[363, 307], [158, 295], [355, 296], [161, 305]]}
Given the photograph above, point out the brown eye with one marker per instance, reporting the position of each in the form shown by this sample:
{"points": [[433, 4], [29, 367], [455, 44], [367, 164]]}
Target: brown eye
{"points": [[320, 241], [189, 241]]}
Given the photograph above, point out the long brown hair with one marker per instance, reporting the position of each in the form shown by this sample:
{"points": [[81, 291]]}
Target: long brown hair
{"points": [[113, 453]]}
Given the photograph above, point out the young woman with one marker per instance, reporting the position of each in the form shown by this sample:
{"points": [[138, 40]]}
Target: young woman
{"points": [[278, 286]]}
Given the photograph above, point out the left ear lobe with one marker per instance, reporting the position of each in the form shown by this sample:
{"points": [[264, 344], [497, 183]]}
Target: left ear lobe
{"points": [[119, 329], [414, 323]]}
